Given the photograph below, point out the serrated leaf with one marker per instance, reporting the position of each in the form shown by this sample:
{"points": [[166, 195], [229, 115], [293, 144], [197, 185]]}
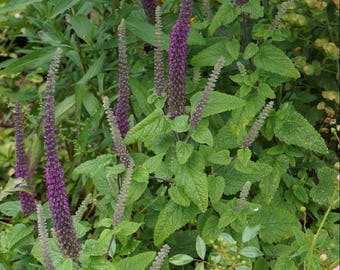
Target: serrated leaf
{"points": [[183, 151], [153, 163], [254, 8], [265, 90], [153, 126], [225, 14], [171, 218], [251, 252], [141, 175], [209, 56], [193, 181], [292, 128], [202, 134], [218, 102], [181, 259], [200, 247], [94, 166], [249, 233], [272, 59], [250, 50], [276, 223], [322, 193], [178, 196], [137, 262], [216, 186], [180, 123], [10, 208]]}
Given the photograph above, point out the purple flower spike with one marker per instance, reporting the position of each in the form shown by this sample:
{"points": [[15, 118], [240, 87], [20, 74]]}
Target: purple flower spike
{"points": [[122, 110], [21, 165], [177, 60], [149, 9], [54, 174]]}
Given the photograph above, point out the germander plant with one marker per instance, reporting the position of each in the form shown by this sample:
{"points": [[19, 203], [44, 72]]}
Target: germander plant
{"points": [[216, 166]]}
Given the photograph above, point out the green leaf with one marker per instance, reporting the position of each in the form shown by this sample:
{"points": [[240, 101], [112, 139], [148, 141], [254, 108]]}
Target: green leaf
{"points": [[220, 157], [126, 228], [178, 196], [114, 170], [83, 27], [171, 218], [181, 259], [292, 128], [208, 226], [16, 5], [251, 252], [272, 59], [153, 163], [322, 193], [18, 236], [66, 265], [225, 15], [94, 166], [285, 263], [64, 109], [137, 262], [37, 58], [183, 151], [265, 90], [10, 208], [153, 126], [276, 223], [215, 186], [138, 25], [60, 6], [229, 49], [249, 233], [254, 8], [13, 185], [193, 181], [202, 134], [200, 266], [141, 175], [200, 247], [180, 123], [93, 70], [250, 50], [218, 102]]}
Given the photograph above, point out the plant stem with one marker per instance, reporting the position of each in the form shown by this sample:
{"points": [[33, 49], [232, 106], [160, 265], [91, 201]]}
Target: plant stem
{"points": [[245, 37], [311, 249]]}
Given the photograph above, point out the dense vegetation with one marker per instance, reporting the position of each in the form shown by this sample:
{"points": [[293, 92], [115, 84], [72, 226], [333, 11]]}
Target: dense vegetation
{"points": [[202, 137]]}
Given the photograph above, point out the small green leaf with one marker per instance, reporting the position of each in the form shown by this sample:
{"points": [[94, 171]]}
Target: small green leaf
{"points": [[92, 167], [276, 223], [137, 262], [10, 208], [202, 134], [181, 259], [265, 90], [285, 263], [254, 8], [126, 228], [322, 193], [200, 247], [180, 123], [218, 102], [200, 266], [154, 125], [250, 232], [251, 252], [178, 196], [272, 59], [292, 128], [61, 6], [225, 14], [183, 151], [220, 157], [171, 218], [216, 186], [141, 175], [66, 265], [83, 27], [229, 49], [250, 50]]}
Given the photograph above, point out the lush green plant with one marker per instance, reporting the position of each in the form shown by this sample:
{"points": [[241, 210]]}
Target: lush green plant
{"points": [[230, 183]]}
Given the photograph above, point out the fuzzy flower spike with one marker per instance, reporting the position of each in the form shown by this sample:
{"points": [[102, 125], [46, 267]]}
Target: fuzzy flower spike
{"points": [[177, 60], [21, 165], [54, 174], [122, 110], [149, 9]]}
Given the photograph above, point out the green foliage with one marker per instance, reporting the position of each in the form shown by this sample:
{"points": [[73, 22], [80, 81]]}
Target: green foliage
{"points": [[217, 204]]}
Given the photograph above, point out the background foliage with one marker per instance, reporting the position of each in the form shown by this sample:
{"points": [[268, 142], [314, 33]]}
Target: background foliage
{"points": [[219, 206]]}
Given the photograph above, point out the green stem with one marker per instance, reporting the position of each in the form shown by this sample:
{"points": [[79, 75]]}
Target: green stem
{"points": [[316, 236]]}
